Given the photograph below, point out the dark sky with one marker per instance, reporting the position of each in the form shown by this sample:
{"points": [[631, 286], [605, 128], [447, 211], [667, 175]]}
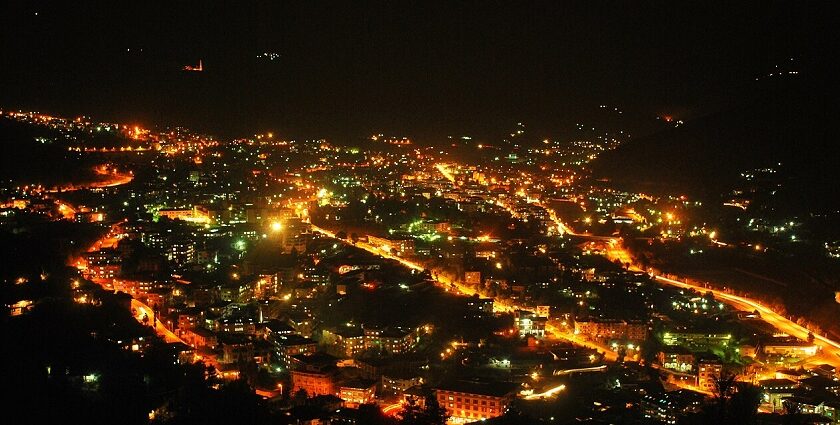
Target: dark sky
{"points": [[422, 69]]}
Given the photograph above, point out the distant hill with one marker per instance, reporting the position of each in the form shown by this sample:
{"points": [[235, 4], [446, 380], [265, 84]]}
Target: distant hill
{"points": [[790, 120], [25, 160]]}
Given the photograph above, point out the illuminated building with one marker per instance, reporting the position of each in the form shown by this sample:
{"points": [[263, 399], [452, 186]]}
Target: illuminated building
{"points": [[696, 340], [315, 373], [472, 278], [390, 340], [774, 391], [357, 391], [790, 347], [671, 406], [529, 323], [194, 215], [708, 373], [610, 329], [394, 384], [200, 337], [481, 305], [398, 246], [348, 342], [468, 401], [286, 346], [678, 360]]}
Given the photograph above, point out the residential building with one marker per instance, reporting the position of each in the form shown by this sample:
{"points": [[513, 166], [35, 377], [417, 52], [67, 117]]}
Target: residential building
{"points": [[469, 401], [708, 374], [357, 391]]}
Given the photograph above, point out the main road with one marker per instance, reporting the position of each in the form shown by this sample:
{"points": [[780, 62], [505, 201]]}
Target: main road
{"points": [[830, 348], [450, 284]]}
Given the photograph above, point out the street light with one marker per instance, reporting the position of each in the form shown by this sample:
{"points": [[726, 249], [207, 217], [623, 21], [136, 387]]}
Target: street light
{"points": [[276, 226]]}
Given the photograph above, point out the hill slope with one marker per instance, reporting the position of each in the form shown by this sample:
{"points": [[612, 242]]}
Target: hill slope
{"points": [[789, 121]]}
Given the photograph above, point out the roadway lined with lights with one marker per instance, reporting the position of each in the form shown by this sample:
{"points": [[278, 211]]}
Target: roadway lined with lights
{"points": [[498, 306], [558, 331], [830, 348]]}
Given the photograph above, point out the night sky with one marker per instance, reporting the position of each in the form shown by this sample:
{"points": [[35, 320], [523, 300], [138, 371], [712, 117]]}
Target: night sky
{"points": [[419, 69]]}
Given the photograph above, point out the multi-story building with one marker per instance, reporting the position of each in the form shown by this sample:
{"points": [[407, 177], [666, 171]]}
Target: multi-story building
{"points": [[237, 325], [480, 305], [468, 401], [680, 360], [390, 340], [708, 374], [775, 391], [472, 278], [529, 323], [286, 346], [789, 347], [195, 215], [351, 341], [606, 330], [357, 391], [398, 384], [200, 337], [181, 252], [399, 246], [671, 406], [347, 342], [190, 318], [315, 373], [815, 406], [314, 383], [104, 263], [697, 341]]}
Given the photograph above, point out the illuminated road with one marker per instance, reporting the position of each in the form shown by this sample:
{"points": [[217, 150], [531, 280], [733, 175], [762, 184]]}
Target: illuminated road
{"points": [[556, 330], [113, 178], [830, 348], [547, 393], [392, 409], [144, 310], [601, 368], [110, 240], [444, 169], [498, 305]]}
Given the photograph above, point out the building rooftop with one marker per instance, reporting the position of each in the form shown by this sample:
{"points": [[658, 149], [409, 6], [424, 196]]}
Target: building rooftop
{"points": [[358, 384], [775, 383], [488, 388]]}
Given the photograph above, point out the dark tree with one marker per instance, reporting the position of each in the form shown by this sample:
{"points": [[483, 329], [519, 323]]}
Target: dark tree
{"points": [[430, 414]]}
